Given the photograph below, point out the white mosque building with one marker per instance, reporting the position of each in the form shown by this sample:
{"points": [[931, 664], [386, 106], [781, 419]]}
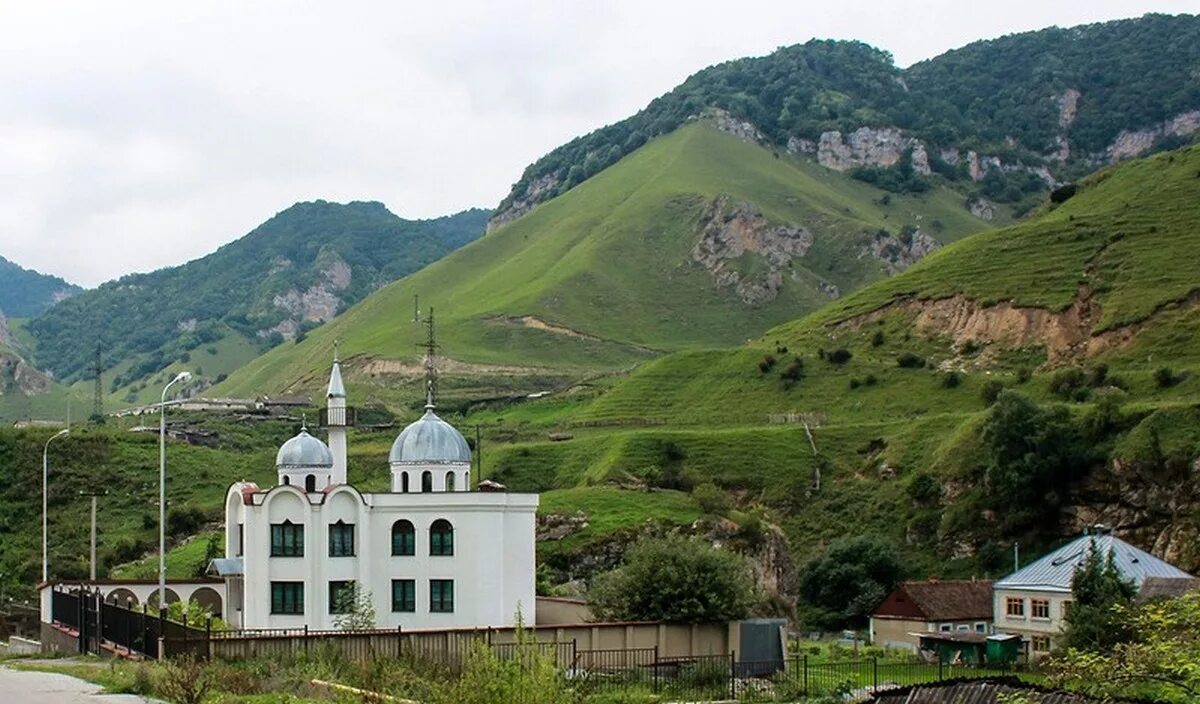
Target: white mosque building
{"points": [[431, 553]]}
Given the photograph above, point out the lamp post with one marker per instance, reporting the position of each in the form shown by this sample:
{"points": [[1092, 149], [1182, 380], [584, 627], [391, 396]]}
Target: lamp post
{"points": [[162, 488], [45, 491]]}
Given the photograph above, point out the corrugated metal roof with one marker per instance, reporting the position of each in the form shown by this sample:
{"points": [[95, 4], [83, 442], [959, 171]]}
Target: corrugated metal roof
{"points": [[1054, 571], [226, 566]]}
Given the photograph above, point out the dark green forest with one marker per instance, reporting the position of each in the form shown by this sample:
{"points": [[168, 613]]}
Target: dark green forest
{"points": [[1131, 74], [25, 293], [162, 315]]}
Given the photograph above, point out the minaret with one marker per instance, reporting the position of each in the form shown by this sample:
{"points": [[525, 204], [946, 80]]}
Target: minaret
{"points": [[337, 419]]}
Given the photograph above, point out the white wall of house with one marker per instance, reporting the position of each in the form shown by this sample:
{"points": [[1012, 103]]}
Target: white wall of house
{"points": [[1041, 631], [493, 566]]}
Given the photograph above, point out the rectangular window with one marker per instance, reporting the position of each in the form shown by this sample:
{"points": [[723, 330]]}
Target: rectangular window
{"points": [[944, 628], [1040, 608], [1041, 644], [1066, 609], [341, 539], [287, 597], [341, 597], [441, 596], [404, 595], [962, 628], [1014, 607], [981, 628], [287, 539], [404, 542]]}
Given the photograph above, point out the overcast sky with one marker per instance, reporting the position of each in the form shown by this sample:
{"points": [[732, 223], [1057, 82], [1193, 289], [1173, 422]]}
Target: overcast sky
{"points": [[136, 135]]}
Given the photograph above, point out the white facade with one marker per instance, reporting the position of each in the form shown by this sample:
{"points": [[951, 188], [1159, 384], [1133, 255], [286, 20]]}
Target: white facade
{"points": [[478, 573]]}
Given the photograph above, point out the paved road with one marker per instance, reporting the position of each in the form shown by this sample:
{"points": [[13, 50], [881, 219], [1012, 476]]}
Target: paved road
{"points": [[22, 687]]}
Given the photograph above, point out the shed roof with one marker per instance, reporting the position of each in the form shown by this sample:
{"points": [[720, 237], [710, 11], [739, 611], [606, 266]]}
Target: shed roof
{"points": [[938, 600], [982, 691], [1054, 571]]}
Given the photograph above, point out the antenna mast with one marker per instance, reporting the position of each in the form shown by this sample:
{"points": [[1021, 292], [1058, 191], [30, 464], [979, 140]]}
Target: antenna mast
{"points": [[431, 348]]}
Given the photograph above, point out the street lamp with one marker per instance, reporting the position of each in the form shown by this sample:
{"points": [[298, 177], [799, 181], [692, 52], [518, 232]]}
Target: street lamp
{"points": [[45, 491], [162, 488]]}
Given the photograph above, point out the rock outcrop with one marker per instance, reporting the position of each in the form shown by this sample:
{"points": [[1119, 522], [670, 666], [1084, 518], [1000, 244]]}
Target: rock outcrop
{"points": [[1131, 143], [541, 189], [868, 146], [742, 129], [730, 232], [898, 252], [318, 303]]}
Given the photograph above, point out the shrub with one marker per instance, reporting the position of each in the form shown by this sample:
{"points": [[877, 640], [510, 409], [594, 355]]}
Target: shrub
{"points": [[1070, 383], [924, 488], [849, 580], [990, 390], [908, 360], [870, 380], [1024, 374], [951, 380], [766, 363], [854, 384], [1063, 193], [877, 339], [839, 356], [648, 584], [793, 373], [711, 499], [1165, 377], [185, 680]]}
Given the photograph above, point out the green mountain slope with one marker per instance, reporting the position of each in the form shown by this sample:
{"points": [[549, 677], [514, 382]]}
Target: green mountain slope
{"points": [[25, 293], [698, 238], [293, 272], [1089, 309], [1055, 99]]}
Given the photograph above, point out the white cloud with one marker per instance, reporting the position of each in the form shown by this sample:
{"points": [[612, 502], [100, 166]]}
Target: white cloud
{"points": [[135, 135]]}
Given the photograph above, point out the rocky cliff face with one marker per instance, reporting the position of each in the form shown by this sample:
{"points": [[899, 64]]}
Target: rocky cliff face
{"points": [[868, 146], [1132, 143], [731, 232], [898, 252], [318, 303]]}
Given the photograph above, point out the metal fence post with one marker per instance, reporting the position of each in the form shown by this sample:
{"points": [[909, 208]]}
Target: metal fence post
{"points": [[732, 676], [399, 642], [940, 675], [806, 675], [654, 669], [306, 639], [208, 639], [874, 674]]}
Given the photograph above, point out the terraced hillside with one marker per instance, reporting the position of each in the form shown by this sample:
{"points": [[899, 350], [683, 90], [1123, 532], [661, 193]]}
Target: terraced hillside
{"points": [[697, 239], [1088, 310]]}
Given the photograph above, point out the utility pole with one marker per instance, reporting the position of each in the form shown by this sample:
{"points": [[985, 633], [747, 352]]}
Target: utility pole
{"points": [[93, 495], [478, 455], [416, 308]]}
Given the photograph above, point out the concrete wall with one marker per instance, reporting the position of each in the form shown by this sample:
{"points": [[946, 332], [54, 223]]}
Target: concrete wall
{"points": [[57, 640], [552, 611], [672, 640], [20, 646]]}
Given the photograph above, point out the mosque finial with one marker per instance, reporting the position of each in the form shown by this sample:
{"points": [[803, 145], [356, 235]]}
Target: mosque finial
{"points": [[336, 342], [304, 422]]}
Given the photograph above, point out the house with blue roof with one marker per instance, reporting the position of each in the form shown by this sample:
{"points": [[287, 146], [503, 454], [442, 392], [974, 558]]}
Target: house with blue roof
{"points": [[1034, 601]]}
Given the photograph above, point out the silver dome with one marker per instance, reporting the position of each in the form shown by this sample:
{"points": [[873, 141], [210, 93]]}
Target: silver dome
{"points": [[304, 451], [430, 440]]}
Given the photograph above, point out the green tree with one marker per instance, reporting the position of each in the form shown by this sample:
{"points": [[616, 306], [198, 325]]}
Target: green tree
{"points": [[356, 609], [1099, 593], [676, 579], [1033, 455], [845, 584], [1160, 658]]}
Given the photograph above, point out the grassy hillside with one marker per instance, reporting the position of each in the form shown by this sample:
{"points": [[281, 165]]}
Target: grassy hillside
{"points": [[603, 277], [1123, 388]]}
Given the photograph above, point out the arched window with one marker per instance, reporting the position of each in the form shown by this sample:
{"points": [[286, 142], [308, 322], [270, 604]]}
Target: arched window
{"points": [[426, 481], [310, 483], [287, 480], [449, 481], [404, 538], [441, 538], [404, 482], [467, 480]]}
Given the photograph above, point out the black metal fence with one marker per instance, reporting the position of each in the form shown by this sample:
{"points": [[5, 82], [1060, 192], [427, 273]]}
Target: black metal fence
{"points": [[103, 626]]}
